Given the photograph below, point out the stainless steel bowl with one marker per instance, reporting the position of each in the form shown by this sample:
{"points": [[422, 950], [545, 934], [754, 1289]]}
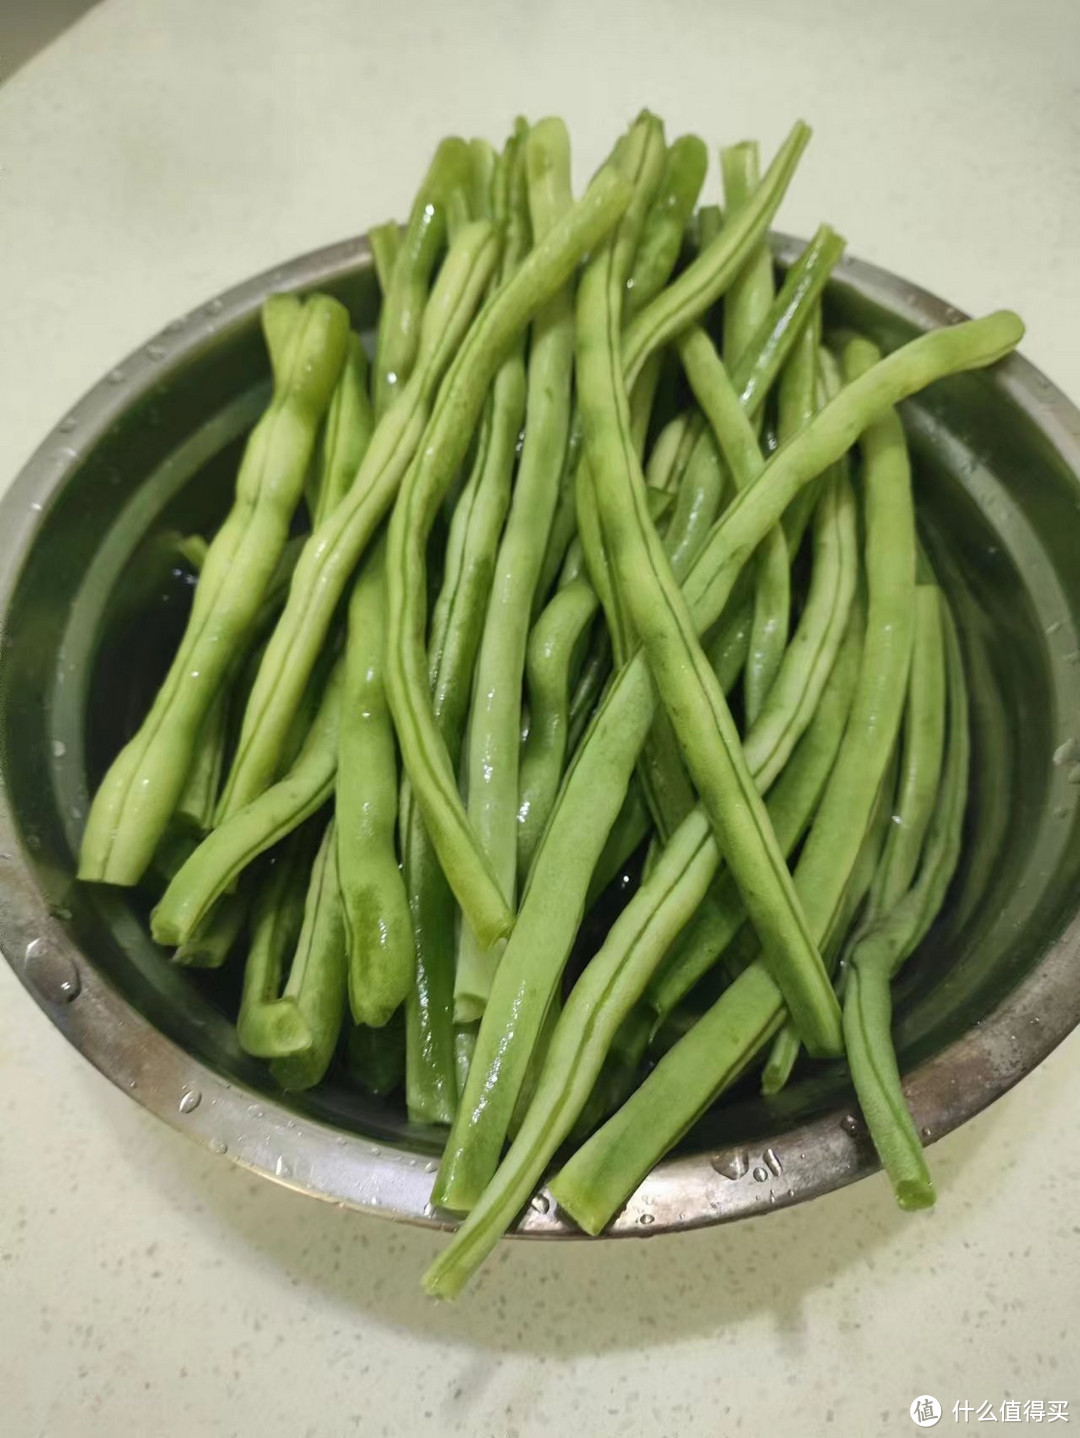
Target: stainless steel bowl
{"points": [[86, 624]]}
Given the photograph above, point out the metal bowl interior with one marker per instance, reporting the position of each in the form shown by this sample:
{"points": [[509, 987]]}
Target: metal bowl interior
{"points": [[90, 606]]}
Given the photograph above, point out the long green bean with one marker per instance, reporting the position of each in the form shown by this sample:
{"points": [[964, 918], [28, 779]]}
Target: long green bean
{"points": [[378, 926], [665, 223], [139, 793], [495, 720], [879, 952]]}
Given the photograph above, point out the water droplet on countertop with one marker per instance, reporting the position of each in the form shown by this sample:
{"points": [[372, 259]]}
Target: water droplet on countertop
{"points": [[190, 1100], [731, 1165], [540, 1203], [281, 1168], [850, 1124], [646, 1219], [59, 748], [218, 1145], [52, 973], [761, 1174]]}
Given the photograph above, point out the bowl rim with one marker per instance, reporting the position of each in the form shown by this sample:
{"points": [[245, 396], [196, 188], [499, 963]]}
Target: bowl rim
{"points": [[683, 1192]]}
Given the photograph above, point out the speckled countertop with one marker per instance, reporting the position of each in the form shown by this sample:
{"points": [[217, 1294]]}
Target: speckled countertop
{"points": [[160, 152]]}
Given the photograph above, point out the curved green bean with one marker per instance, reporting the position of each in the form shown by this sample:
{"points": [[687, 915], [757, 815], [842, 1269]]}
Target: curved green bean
{"points": [[139, 793], [317, 982], [227, 850], [385, 242], [421, 245], [269, 1026], [665, 222], [550, 656]]}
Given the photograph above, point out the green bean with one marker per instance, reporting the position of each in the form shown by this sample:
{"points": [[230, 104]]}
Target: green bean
{"points": [[541, 275], [921, 756], [464, 1043], [595, 784], [139, 793], [710, 223], [378, 926], [269, 1026], [196, 805], [619, 1074], [688, 299], [688, 688], [595, 673], [484, 160], [828, 677], [376, 1057], [495, 721], [639, 156], [728, 644], [332, 553], [346, 433], [385, 242], [665, 222], [667, 461], [422, 243], [433, 1046], [697, 503], [316, 982], [601, 1175], [751, 291], [555, 640], [228, 850], [880, 951], [772, 587], [213, 940], [704, 280], [599, 1001]]}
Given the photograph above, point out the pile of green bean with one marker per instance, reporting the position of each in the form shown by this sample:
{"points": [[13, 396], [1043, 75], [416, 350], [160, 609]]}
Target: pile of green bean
{"points": [[588, 600]]}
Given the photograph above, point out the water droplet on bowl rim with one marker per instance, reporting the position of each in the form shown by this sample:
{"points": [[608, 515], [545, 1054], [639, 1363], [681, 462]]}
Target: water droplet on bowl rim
{"points": [[190, 1100], [51, 972], [760, 1174], [281, 1167], [731, 1165], [540, 1203], [646, 1219], [218, 1145], [850, 1124]]}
